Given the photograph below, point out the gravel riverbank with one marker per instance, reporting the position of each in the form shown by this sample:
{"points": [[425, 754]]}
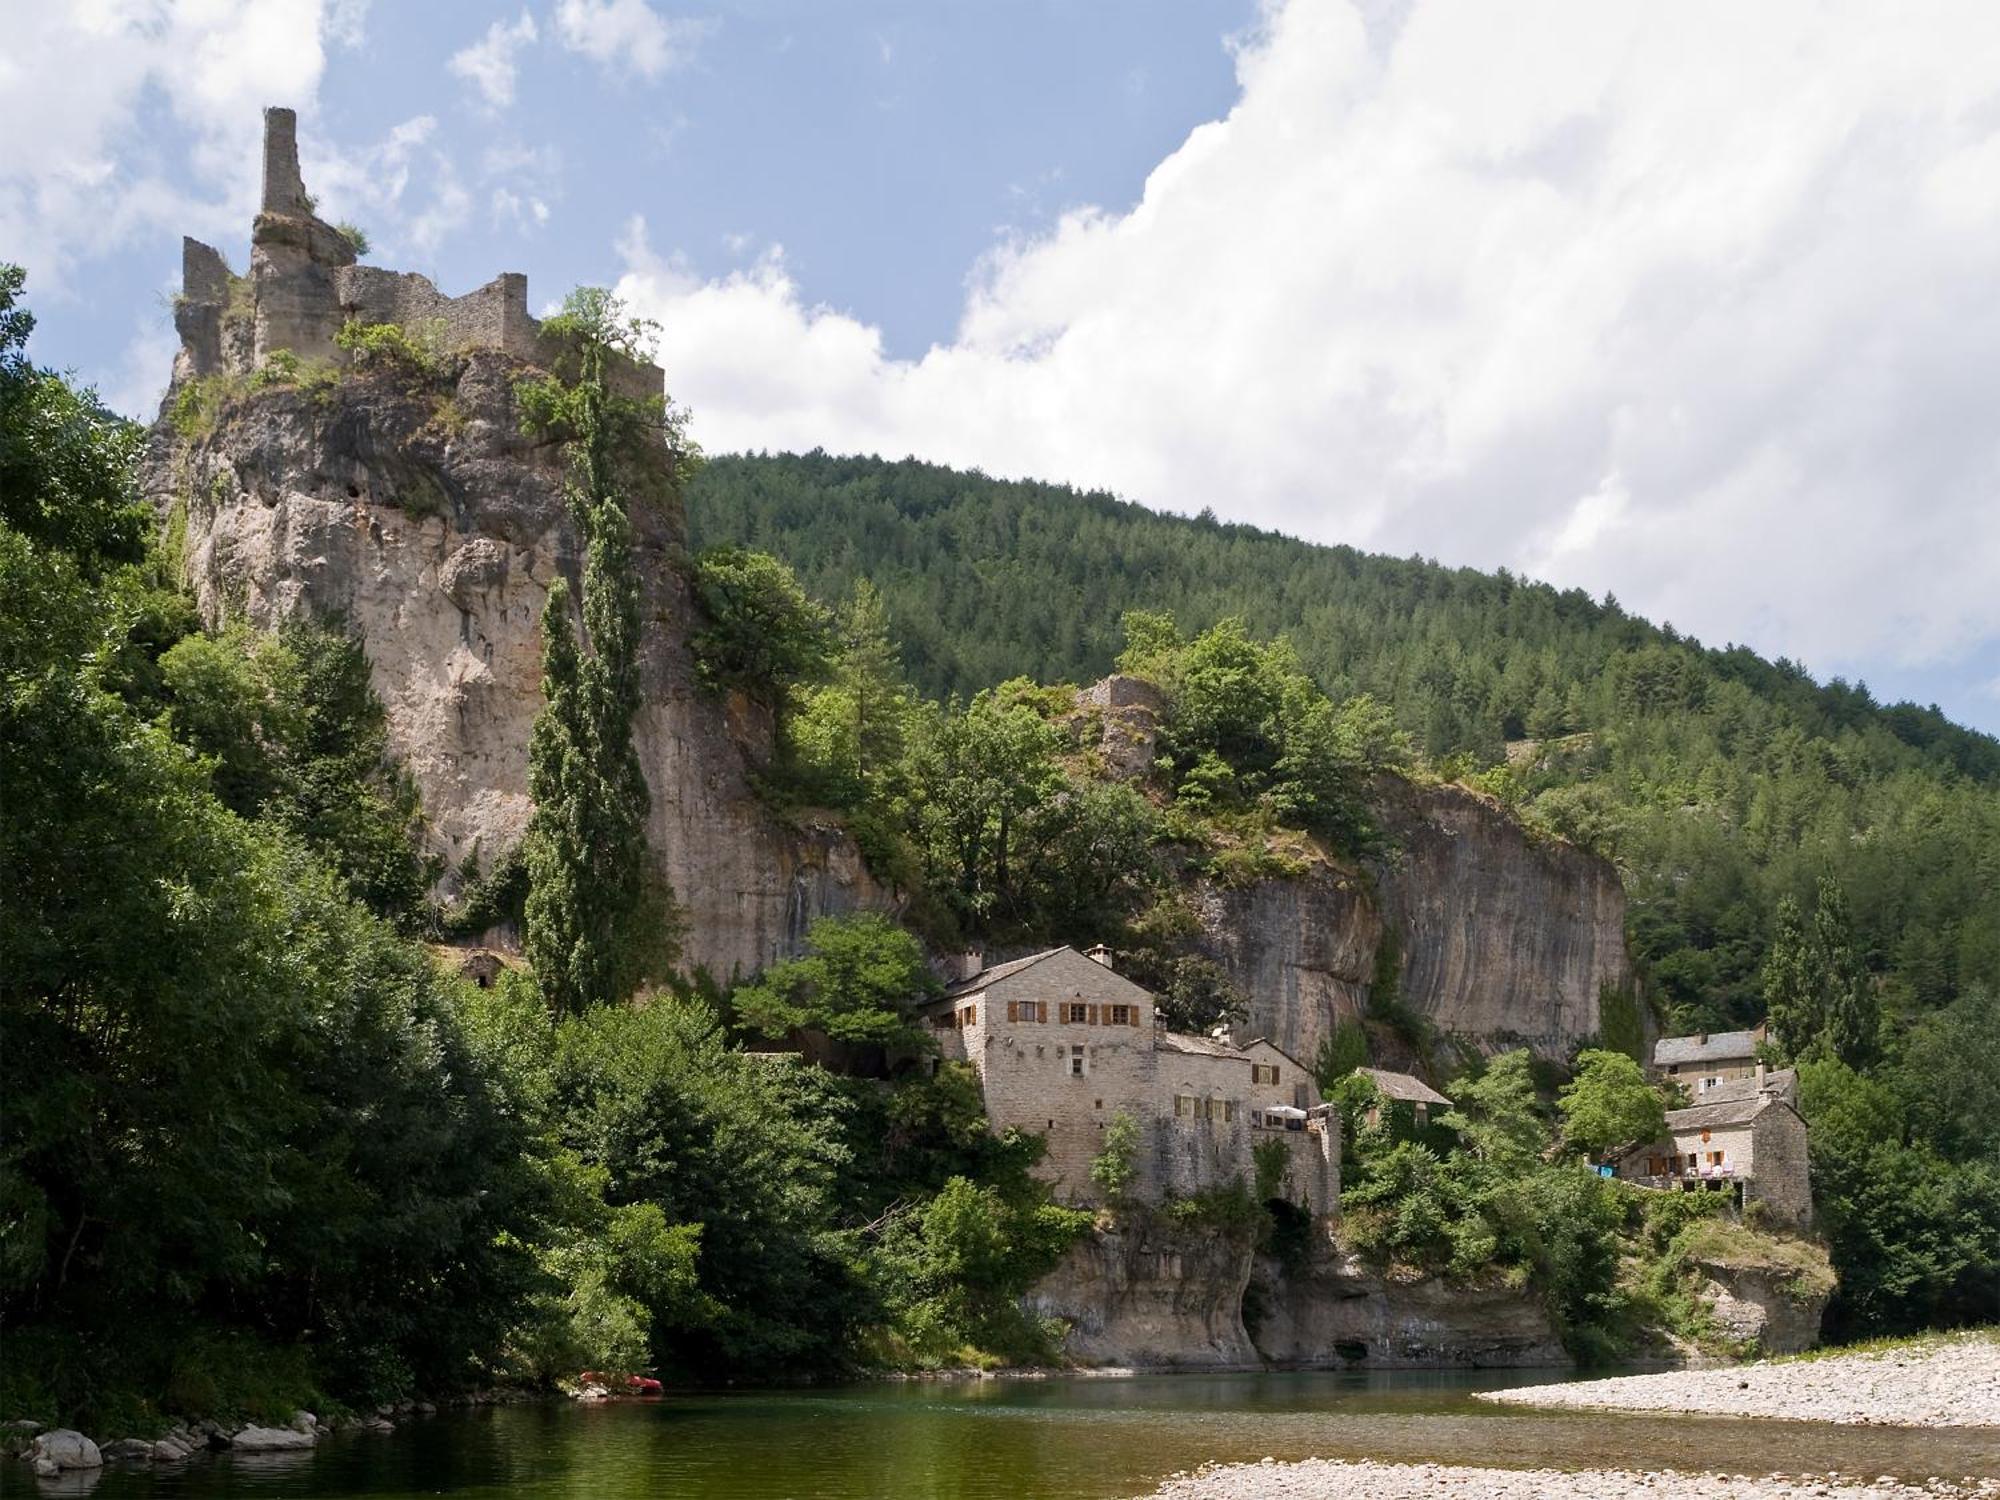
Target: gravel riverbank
{"points": [[1324, 1479], [1944, 1382]]}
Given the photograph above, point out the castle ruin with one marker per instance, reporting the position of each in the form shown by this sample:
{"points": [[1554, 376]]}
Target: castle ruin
{"points": [[305, 283]]}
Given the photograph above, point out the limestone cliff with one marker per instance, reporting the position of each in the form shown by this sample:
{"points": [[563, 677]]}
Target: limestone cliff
{"points": [[420, 513], [1154, 1296], [1501, 937], [1336, 1310]]}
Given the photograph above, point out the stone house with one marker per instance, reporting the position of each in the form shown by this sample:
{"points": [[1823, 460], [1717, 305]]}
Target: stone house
{"points": [[1750, 1144], [1702, 1061], [1402, 1088], [1063, 1044]]}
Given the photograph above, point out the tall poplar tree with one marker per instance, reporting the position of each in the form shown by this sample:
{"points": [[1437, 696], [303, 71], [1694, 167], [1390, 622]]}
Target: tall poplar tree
{"points": [[1791, 984], [597, 919]]}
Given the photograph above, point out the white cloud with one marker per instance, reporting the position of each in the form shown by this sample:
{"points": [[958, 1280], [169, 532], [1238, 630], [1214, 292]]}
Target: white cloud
{"points": [[404, 190], [628, 34], [1692, 303], [489, 63], [85, 173]]}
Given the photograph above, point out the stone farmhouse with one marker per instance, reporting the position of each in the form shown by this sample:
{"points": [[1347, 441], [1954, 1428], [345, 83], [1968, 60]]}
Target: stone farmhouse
{"points": [[1402, 1088], [1702, 1061], [1063, 1044], [1742, 1136]]}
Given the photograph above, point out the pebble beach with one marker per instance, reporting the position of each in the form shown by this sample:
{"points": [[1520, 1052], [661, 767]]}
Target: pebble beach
{"points": [[1324, 1479], [1953, 1381]]}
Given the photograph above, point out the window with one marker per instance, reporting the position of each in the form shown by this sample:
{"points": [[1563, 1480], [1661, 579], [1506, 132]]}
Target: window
{"points": [[1121, 1015], [1715, 1158], [1184, 1106], [1076, 1062], [1229, 1110], [1263, 1072], [1075, 1013]]}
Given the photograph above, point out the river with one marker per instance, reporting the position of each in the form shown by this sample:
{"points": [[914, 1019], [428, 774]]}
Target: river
{"points": [[1060, 1439]]}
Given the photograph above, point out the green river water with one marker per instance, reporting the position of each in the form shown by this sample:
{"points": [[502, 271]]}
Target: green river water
{"points": [[1064, 1439]]}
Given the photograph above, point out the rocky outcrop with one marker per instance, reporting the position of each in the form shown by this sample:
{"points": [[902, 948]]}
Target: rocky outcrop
{"points": [[1337, 1311], [1151, 1296], [1499, 937], [1504, 935], [433, 527], [1768, 1308]]}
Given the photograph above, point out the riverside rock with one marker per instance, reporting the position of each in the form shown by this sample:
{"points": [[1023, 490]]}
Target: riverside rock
{"points": [[65, 1448], [271, 1439]]}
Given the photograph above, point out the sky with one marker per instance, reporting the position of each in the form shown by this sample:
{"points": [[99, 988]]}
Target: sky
{"points": [[1697, 305]]}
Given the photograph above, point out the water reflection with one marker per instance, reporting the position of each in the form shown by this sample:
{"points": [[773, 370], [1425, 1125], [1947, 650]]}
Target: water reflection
{"points": [[1072, 1439]]}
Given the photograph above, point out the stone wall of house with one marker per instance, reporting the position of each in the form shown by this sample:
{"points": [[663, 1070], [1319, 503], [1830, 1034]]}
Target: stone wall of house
{"points": [[1026, 1066], [1783, 1182], [1028, 1074]]}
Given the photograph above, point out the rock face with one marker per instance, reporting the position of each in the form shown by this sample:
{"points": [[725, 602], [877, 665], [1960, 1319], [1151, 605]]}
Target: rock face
{"points": [[1763, 1306], [1503, 936], [1153, 1296], [436, 543], [417, 510], [1337, 1311], [1499, 937], [1148, 1296]]}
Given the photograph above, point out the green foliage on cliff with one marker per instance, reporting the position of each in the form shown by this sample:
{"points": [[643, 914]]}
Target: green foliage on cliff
{"points": [[856, 984], [1720, 781]]}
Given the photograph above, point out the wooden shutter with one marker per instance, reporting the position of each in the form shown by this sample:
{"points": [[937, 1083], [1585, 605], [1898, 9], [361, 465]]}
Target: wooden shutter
{"points": [[1093, 1013], [1132, 1015], [1041, 1010], [1013, 1010]]}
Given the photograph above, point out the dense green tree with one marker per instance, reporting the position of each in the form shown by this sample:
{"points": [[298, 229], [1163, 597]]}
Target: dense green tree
{"points": [[597, 916], [1497, 1113], [857, 983], [1609, 1103], [760, 633], [247, 1146]]}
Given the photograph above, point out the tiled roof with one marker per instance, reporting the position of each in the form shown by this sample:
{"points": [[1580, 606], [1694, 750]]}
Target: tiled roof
{"points": [[1728, 1112], [988, 976], [1402, 1086], [1715, 1046], [1202, 1046]]}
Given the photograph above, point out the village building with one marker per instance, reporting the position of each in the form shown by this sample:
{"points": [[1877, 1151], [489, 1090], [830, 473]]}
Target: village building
{"points": [[1700, 1062], [1743, 1137], [1063, 1044], [1402, 1088]]}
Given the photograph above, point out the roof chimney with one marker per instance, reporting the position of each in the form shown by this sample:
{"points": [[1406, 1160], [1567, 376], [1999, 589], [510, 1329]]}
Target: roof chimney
{"points": [[970, 962], [1101, 955], [1762, 1074]]}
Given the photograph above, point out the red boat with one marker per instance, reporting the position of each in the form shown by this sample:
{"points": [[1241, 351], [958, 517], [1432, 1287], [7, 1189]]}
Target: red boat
{"points": [[629, 1385]]}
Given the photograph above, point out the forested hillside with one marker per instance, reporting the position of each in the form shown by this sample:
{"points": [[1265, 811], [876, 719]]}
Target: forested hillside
{"points": [[1721, 782]]}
